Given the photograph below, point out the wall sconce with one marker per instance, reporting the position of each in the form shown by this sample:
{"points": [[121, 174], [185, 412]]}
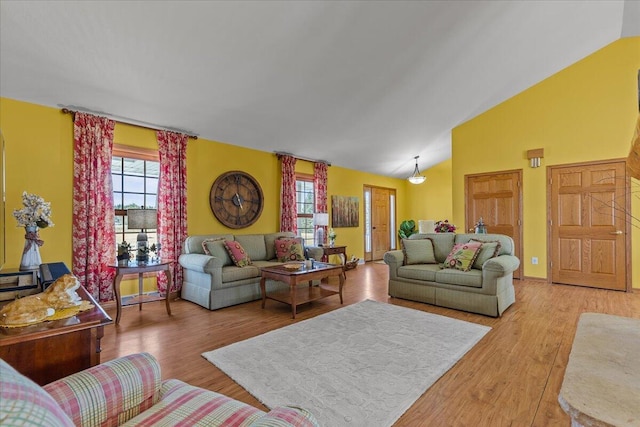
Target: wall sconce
{"points": [[534, 157]]}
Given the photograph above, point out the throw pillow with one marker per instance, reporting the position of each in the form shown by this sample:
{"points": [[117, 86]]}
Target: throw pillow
{"points": [[488, 250], [418, 251], [462, 256], [289, 249], [216, 248], [237, 253]]}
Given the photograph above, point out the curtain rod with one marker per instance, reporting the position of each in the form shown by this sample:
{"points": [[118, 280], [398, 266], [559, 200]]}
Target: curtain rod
{"points": [[307, 159], [138, 123]]}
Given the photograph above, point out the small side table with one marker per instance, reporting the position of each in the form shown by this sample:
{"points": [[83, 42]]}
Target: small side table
{"points": [[132, 268], [335, 250]]}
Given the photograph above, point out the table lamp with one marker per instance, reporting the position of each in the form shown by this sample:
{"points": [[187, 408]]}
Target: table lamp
{"points": [[144, 219], [320, 220]]}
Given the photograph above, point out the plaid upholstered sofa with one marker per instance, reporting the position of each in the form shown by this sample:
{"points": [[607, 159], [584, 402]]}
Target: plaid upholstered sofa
{"points": [[129, 391], [213, 281], [417, 274]]}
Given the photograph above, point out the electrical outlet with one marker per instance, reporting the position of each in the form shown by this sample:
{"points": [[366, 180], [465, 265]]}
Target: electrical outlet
{"points": [[534, 260]]}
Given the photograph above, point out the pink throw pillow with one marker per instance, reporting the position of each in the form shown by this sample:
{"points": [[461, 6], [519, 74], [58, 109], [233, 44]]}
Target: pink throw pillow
{"points": [[462, 256], [237, 253], [289, 249]]}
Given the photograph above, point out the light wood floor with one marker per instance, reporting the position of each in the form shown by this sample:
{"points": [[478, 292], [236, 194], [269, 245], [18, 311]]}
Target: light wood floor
{"points": [[511, 378]]}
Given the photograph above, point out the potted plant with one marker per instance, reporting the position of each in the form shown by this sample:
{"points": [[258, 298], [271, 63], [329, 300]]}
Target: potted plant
{"points": [[444, 227], [407, 228], [124, 254]]}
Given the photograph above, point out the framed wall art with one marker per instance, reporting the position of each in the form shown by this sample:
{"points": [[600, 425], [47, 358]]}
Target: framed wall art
{"points": [[345, 211]]}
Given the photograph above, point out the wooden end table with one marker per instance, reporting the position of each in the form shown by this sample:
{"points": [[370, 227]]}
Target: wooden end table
{"points": [[334, 250], [293, 278], [48, 351], [134, 267]]}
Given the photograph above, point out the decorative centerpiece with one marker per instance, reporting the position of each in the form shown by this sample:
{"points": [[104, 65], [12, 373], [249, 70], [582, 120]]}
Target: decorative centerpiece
{"points": [[124, 253], [444, 227], [332, 237], [480, 228], [35, 214]]}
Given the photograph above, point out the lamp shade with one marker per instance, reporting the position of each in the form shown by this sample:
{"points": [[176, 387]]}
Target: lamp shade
{"points": [[144, 219], [321, 219]]}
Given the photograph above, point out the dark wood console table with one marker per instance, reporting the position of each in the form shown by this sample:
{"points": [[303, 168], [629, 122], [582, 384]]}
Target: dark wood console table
{"points": [[48, 351]]}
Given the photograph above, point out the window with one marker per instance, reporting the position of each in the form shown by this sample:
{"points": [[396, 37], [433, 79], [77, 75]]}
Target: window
{"points": [[135, 174], [305, 200]]}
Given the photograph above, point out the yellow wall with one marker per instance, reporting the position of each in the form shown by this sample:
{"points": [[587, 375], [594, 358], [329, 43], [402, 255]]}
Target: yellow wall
{"points": [[39, 159], [585, 112]]}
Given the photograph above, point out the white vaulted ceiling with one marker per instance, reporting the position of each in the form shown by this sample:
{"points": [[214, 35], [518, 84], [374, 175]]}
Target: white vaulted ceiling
{"points": [[364, 85]]}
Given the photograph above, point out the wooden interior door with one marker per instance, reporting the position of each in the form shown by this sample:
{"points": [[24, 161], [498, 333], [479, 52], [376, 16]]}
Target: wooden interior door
{"points": [[497, 198], [380, 214], [588, 243]]}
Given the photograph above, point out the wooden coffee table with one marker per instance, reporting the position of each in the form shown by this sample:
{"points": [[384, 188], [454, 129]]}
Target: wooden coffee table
{"points": [[296, 296]]}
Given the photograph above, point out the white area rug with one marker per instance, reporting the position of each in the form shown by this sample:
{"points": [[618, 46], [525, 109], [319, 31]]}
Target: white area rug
{"points": [[361, 365]]}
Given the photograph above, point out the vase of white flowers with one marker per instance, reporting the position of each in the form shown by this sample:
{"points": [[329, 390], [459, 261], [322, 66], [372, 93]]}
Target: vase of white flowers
{"points": [[35, 214], [332, 237]]}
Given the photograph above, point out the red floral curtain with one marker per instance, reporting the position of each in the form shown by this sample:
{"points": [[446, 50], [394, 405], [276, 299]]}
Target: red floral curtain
{"points": [[94, 237], [320, 187], [288, 208], [172, 204]]}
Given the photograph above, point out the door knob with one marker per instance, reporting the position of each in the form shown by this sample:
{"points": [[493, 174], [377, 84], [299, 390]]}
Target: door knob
{"points": [[616, 232]]}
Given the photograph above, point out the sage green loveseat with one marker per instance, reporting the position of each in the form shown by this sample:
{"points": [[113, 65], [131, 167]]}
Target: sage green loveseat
{"points": [[215, 282], [486, 290]]}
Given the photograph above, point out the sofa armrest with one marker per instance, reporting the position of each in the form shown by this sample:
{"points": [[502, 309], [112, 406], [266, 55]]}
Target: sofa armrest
{"points": [[200, 263], [314, 252], [287, 416], [502, 264], [394, 259], [109, 393]]}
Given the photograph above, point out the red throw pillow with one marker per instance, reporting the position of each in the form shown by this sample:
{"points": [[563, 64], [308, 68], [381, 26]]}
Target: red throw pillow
{"points": [[289, 249], [237, 253]]}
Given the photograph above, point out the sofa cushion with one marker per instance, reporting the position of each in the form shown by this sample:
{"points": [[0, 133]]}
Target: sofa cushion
{"points": [[462, 256], [487, 251], [425, 272], [193, 244], [231, 273], [24, 403], [270, 242], [418, 251], [253, 244], [442, 243], [289, 249], [237, 253], [471, 278], [216, 248], [506, 242]]}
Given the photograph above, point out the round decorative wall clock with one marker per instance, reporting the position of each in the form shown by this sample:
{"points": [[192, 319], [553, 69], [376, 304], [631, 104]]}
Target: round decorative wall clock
{"points": [[236, 199]]}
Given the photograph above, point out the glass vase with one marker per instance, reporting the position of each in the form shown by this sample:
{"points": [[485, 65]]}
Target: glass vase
{"points": [[31, 253]]}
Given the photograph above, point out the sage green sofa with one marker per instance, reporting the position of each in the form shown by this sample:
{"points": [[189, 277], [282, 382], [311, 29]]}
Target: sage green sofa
{"points": [[486, 290], [215, 282]]}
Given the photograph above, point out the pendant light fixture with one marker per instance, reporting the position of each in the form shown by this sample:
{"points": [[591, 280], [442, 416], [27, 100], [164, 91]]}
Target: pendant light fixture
{"points": [[416, 178]]}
